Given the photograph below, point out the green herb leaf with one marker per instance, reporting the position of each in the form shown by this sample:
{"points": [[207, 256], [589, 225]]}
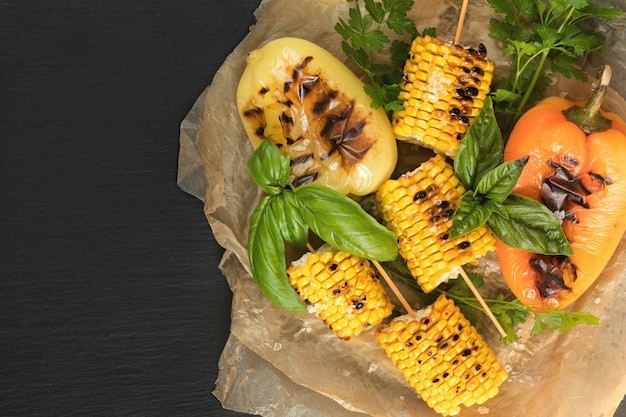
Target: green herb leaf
{"points": [[498, 183], [384, 96], [469, 216], [342, 222], [560, 320], [481, 149], [266, 253], [269, 168], [542, 36], [286, 210], [531, 226], [365, 37]]}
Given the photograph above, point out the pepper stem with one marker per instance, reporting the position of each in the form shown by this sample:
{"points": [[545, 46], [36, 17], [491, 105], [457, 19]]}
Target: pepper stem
{"points": [[588, 118]]}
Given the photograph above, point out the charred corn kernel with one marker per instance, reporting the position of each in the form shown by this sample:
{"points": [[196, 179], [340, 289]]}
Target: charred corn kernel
{"points": [[443, 89], [343, 289], [419, 207], [443, 357]]}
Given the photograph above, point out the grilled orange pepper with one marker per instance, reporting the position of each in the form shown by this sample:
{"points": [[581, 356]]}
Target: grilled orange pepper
{"points": [[577, 168]]}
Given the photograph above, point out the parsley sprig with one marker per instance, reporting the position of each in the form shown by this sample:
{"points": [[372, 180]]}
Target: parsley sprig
{"points": [[366, 36], [541, 38]]}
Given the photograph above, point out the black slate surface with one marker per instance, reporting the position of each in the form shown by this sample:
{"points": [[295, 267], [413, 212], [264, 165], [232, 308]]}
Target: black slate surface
{"points": [[111, 303]]}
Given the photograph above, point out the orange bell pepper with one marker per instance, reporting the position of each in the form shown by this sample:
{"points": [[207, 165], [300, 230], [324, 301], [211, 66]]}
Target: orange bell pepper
{"points": [[577, 168]]}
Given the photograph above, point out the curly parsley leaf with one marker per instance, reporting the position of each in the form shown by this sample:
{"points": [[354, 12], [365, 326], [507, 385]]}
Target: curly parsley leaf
{"points": [[366, 36], [540, 37]]}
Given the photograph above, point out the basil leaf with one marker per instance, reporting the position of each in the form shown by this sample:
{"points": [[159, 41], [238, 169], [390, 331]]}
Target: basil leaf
{"points": [[498, 183], [469, 216], [531, 226], [266, 253], [269, 168], [481, 149], [286, 209], [342, 223]]}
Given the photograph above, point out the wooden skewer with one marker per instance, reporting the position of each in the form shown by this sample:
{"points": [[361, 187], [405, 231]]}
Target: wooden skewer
{"points": [[387, 279], [482, 302], [394, 288], [459, 26]]}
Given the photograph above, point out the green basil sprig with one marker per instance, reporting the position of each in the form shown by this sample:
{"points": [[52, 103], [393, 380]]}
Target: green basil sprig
{"points": [[287, 214], [520, 222]]}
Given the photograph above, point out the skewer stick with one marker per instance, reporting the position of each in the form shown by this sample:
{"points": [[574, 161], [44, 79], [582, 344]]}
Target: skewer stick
{"points": [[482, 302], [394, 288], [459, 26], [387, 279]]}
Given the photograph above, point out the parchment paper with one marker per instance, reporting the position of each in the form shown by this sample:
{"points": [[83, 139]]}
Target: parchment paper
{"points": [[282, 364]]}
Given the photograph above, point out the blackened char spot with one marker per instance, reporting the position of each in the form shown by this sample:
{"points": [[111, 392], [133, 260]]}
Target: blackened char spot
{"points": [[334, 125], [285, 118], [253, 112], [321, 104], [562, 187], [305, 179], [307, 85], [550, 273], [301, 159]]}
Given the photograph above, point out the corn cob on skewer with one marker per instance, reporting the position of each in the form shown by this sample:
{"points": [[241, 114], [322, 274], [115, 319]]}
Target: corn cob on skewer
{"points": [[343, 289], [419, 207], [443, 357], [443, 89]]}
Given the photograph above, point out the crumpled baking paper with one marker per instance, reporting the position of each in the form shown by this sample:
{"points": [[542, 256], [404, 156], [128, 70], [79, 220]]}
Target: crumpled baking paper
{"points": [[277, 363]]}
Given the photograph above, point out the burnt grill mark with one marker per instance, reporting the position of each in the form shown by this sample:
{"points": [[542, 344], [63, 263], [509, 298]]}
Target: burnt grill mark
{"points": [[550, 272], [599, 178], [442, 204], [285, 118], [334, 119], [471, 91], [463, 245], [253, 112], [447, 214], [260, 131], [419, 195], [305, 179], [321, 104], [301, 159], [477, 71], [562, 187], [307, 85]]}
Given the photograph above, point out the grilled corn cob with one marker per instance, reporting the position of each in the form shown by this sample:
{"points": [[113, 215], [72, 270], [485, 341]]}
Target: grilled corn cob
{"points": [[343, 289], [443, 89], [443, 357], [419, 207]]}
